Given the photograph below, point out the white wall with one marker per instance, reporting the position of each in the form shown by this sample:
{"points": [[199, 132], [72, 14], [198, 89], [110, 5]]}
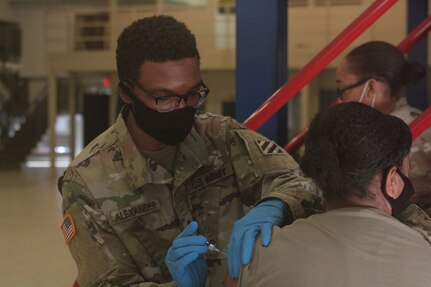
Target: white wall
{"points": [[33, 42], [222, 89], [311, 28], [7, 14]]}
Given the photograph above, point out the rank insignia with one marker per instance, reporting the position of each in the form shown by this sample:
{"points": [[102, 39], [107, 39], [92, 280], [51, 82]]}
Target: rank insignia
{"points": [[269, 147], [68, 228]]}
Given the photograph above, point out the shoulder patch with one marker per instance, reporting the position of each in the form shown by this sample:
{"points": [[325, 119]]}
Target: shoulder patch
{"points": [[68, 228], [203, 116], [269, 147]]}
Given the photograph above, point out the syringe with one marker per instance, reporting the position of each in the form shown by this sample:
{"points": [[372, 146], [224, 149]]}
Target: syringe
{"points": [[212, 247]]}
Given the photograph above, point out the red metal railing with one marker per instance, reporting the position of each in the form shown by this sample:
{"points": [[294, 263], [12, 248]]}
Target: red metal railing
{"points": [[298, 139], [421, 123], [318, 63], [415, 36]]}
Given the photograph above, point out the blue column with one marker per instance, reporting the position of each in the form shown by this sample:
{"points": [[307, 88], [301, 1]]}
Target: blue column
{"points": [[261, 60], [417, 94]]}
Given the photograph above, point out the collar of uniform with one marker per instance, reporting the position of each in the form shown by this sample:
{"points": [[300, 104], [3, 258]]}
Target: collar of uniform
{"points": [[192, 154], [402, 102], [136, 165]]}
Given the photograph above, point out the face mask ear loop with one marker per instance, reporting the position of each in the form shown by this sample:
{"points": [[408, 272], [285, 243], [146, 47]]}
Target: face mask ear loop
{"points": [[383, 184], [364, 90], [373, 101]]}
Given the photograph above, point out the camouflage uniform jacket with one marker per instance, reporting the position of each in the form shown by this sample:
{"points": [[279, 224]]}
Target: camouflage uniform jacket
{"points": [[420, 157], [127, 209], [404, 111]]}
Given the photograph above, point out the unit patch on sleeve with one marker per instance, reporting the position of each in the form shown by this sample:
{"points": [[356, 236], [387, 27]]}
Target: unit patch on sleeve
{"points": [[269, 147], [68, 228]]}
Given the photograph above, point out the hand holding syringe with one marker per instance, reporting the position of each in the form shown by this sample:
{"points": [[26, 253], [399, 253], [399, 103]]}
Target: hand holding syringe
{"points": [[185, 258]]}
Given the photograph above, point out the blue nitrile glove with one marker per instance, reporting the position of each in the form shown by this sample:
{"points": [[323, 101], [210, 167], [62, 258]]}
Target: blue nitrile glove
{"points": [[259, 219], [186, 260]]}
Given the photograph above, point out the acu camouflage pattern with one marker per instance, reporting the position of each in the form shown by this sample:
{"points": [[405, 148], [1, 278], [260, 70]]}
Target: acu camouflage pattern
{"points": [[404, 111], [420, 173], [128, 209], [417, 219]]}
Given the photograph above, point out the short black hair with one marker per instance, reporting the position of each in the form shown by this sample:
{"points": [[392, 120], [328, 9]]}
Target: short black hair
{"points": [[157, 38], [383, 61], [349, 144]]}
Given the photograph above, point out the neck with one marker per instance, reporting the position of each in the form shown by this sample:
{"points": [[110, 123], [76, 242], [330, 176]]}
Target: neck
{"points": [[390, 106], [143, 141], [377, 202]]}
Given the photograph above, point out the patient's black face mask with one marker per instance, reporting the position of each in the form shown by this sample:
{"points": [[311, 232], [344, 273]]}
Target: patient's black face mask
{"points": [[400, 203]]}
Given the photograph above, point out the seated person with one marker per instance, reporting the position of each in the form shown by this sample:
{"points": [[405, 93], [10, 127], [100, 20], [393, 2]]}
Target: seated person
{"points": [[358, 157], [376, 73]]}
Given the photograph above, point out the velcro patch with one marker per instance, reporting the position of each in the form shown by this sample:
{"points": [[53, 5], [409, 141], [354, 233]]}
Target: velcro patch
{"points": [[68, 228], [208, 178], [269, 147], [133, 211]]}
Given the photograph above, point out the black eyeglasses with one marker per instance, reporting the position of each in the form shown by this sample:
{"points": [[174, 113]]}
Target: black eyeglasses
{"points": [[167, 103], [341, 91]]}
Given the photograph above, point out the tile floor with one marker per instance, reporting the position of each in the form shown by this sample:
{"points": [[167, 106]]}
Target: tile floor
{"points": [[32, 249]]}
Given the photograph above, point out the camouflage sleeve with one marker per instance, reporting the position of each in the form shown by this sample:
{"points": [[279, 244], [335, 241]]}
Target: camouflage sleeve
{"points": [[264, 170], [416, 218], [101, 257], [420, 171]]}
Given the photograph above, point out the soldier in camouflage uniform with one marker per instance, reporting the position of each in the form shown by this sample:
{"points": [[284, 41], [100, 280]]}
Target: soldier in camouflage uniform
{"points": [[137, 186], [375, 73]]}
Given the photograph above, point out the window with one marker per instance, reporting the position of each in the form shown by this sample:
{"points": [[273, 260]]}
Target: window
{"points": [[10, 42], [92, 31]]}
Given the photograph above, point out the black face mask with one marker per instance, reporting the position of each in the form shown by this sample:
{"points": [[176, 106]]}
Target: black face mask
{"points": [[169, 128], [401, 202]]}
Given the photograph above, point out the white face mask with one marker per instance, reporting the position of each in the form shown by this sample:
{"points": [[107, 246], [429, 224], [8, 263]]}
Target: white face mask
{"points": [[364, 91]]}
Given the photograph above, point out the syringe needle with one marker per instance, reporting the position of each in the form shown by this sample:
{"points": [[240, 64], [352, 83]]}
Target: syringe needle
{"points": [[212, 247]]}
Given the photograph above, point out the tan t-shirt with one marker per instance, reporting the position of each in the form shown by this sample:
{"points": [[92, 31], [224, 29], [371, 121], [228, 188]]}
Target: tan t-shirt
{"points": [[345, 247]]}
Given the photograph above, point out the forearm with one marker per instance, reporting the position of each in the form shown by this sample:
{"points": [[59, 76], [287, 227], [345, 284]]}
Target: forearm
{"points": [[301, 196], [101, 256], [266, 170]]}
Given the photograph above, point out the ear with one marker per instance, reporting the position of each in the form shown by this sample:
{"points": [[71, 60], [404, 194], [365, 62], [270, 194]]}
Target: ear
{"points": [[124, 90], [373, 88], [394, 184]]}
